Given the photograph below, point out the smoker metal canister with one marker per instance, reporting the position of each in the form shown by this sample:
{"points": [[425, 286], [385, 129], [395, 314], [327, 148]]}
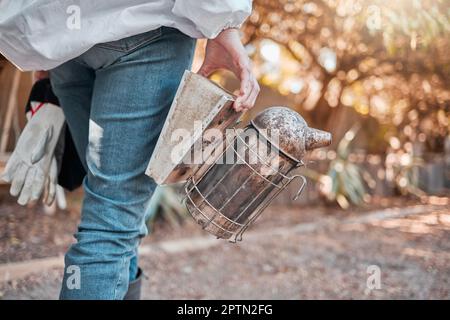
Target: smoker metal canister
{"points": [[227, 197]]}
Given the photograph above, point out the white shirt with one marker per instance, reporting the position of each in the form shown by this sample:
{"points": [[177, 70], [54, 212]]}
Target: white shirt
{"points": [[42, 34]]}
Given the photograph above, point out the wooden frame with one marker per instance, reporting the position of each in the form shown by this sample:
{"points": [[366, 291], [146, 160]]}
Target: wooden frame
{"points": [[10, 79]]}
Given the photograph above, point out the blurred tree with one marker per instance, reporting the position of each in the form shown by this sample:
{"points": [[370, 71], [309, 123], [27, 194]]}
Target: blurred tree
{"points": [[386, 59]]}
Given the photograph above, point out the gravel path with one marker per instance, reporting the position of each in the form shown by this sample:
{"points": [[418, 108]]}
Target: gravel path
{"points": [[325, 259]]}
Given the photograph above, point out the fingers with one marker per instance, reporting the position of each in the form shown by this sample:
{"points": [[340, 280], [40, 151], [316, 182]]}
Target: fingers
{"points": [[61, 198], [255, 92], [38, 186], [27, 183], [25, 194], [46, 188], [10, 169], [18, 180], [51, 193], [245, 90], [248, 92], [52, 182]]}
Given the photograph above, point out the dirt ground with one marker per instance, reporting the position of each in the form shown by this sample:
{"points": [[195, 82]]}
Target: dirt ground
{"points": [[293, 253], [30, 233]]}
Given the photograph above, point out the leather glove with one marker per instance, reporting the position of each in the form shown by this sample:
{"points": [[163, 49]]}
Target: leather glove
{"points": [[32, 167], [51, 185]]}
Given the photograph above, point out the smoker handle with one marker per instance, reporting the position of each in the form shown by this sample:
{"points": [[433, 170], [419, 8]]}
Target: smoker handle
{"points": [[301, 187]]}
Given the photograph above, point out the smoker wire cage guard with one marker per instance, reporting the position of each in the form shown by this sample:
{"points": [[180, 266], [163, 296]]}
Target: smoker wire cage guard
{"points": [[225, 199]]}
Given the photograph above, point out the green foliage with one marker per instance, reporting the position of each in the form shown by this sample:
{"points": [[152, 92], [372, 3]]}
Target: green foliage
{"points": [[343, 183], [406, 176], [347, 185]]}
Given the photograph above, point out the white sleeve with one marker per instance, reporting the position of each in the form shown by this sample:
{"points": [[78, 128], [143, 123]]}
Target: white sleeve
{"points": [[212, 16]]}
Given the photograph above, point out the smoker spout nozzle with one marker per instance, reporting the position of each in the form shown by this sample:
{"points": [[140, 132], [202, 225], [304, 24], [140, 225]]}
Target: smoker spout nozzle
{"points": [[316, 138]]}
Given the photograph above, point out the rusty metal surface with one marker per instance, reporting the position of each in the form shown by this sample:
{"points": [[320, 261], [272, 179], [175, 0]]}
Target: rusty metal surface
{"points": [[294, 135], [316, 138]]}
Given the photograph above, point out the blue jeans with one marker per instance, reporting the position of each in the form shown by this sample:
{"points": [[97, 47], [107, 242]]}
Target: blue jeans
{"points": [[115, 98]]}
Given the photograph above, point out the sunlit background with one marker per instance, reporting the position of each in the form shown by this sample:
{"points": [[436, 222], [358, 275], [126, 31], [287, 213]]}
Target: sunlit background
{"points": [[374, 73]]}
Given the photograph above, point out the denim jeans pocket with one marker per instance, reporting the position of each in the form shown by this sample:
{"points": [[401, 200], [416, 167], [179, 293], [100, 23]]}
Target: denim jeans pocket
{"points": [[132, 43]]}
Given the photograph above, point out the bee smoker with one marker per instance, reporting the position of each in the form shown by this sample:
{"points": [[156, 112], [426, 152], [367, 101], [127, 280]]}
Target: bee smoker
{"points": [[226, 197], [242, 170]]}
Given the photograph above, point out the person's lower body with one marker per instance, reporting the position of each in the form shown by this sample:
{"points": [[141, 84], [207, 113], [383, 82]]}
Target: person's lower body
{"points": [[116, 97]]}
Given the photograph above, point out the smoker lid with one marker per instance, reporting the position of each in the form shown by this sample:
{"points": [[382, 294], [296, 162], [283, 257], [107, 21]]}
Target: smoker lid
{"points": [[294, 136]]}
